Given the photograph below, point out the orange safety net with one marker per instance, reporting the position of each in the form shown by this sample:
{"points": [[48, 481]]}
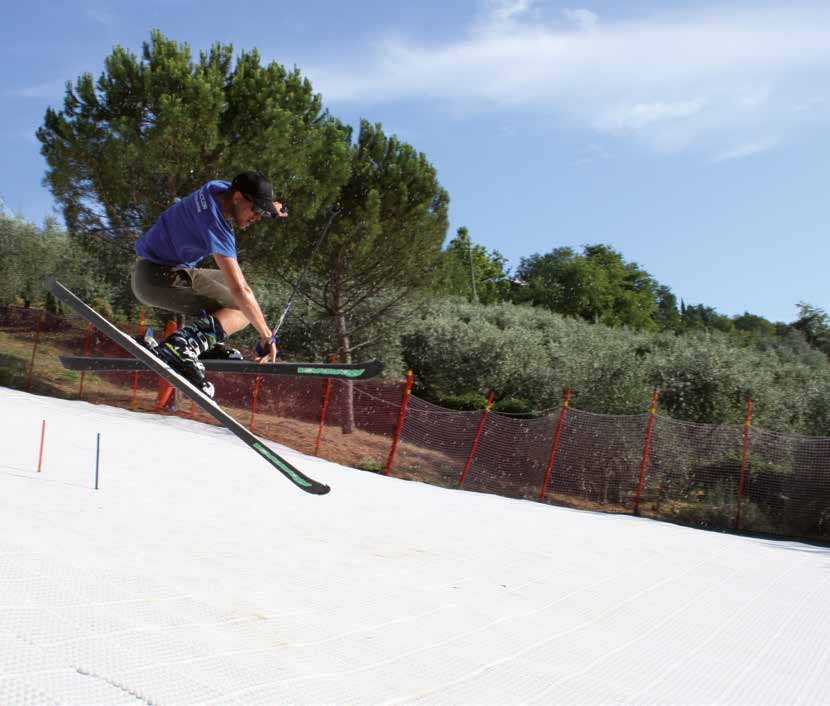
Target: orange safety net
{"points": [[691, 473]]}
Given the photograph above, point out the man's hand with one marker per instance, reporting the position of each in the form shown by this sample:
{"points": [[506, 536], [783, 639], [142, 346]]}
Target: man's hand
{"points": [[282, 211], [266, 350]]}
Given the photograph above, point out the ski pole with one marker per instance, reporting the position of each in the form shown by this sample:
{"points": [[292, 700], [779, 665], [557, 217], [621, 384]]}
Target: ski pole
{"points": [[334, 211], [300, 279]]}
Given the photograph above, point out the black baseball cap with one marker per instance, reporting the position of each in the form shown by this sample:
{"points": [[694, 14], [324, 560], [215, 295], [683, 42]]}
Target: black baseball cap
{"points": [[256, 187]]}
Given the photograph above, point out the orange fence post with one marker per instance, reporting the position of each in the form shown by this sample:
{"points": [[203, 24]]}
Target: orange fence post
{"points": [[323, 410], [747, 427], [42, 442], [257, 383], [399, 427], [476, 439], [87, 341], [34, 349], [555, 447], [646, 448], [165, 388]]}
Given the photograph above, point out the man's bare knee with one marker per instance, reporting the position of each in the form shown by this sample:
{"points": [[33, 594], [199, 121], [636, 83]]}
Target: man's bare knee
{"points": [[232, 320]]}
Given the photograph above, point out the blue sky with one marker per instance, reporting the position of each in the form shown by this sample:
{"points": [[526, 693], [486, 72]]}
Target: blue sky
{"points": [[692, 137]]}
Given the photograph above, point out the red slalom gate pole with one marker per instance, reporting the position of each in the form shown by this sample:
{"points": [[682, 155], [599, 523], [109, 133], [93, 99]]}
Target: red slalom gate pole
{"points": [[34, 350], [399, 427], [747, 427], [323, 410], [475, 441], [555, 447], [646, 448], [87, 341], [42, 443]]}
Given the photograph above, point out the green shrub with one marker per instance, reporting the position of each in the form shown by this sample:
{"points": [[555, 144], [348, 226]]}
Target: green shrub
{"points": [[466, 402], [515, 406], [531, 354]]}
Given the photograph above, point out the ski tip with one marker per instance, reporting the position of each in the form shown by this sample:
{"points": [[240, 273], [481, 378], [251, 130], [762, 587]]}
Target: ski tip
{"points": [[313, 487]]}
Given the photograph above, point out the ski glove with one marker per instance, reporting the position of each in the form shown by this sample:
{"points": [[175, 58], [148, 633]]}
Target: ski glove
{"points": [[264, 350]]}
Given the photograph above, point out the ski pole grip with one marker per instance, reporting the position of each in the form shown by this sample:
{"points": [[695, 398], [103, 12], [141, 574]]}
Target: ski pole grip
{"points": [[264, 350]]}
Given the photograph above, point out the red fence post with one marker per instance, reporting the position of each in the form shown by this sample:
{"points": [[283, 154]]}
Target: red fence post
{"points": [[87, 341], [646, 448], [42, 442], [747, 426], [555, 447], [257, 383], [323, 410], [34, 350], [404, 404], [165, 388], [475, 440]]}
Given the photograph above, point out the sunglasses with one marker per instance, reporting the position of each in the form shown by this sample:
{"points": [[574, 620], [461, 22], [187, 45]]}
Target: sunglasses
{"points": [[258, 210]]}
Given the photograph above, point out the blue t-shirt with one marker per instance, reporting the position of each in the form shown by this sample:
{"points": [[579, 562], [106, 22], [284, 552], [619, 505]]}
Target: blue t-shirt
{"points": [[190, 230]]}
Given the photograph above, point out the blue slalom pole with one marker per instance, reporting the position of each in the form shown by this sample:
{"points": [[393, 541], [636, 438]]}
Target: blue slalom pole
{"points": [[97, 457]]}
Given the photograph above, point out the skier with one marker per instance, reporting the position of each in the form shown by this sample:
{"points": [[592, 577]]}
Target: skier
{"points": [[165, 273]]}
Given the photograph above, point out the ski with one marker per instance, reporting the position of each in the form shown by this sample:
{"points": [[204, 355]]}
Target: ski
{"points": [[159, 367], [347, 371]]}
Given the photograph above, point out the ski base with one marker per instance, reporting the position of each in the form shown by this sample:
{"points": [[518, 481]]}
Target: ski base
{"points": [[151, 361], [346, 371]]}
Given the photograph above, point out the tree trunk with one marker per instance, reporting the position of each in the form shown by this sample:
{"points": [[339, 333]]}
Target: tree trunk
{"points": [[345, 346]]}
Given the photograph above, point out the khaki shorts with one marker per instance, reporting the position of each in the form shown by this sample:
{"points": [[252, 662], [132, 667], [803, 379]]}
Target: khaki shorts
{"points": [[184, 290]]}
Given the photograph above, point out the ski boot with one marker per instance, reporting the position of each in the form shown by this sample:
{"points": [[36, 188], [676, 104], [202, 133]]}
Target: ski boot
{"points": [[182, 348], [148, 341], [221, 352]]}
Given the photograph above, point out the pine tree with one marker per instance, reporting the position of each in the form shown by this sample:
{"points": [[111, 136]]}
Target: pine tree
{"points": [[383, 243], [150, 130]]}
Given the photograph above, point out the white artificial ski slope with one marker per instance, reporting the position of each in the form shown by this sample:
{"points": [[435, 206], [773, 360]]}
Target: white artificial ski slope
{"points": [[198, 575]]}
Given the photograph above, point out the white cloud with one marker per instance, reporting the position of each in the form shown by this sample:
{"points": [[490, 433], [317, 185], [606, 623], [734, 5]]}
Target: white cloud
{"points": [[502, 11], [582, 18], [631, 118], [669, 80], [747, 149]]}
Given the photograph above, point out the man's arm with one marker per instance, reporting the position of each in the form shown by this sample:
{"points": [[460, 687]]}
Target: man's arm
{"points": [[244, 297]]}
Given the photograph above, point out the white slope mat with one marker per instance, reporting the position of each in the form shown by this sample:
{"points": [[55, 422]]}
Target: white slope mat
{"points": [[198, 575]]}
